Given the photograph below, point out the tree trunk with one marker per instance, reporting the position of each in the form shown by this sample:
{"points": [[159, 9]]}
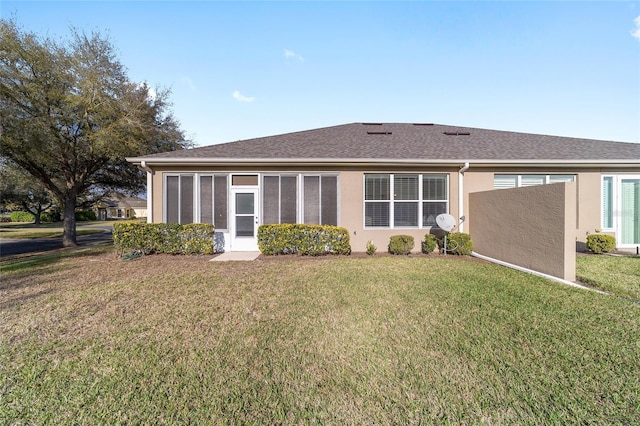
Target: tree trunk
{"points": [[69, 222]]}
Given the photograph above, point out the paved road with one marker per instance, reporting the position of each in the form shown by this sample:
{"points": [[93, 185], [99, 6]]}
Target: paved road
{"points": [[12, 247]]}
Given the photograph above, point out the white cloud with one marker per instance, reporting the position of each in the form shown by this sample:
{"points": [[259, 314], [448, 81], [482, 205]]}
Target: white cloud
{"points": [[290, 54], [636, 33], [242, 98]]}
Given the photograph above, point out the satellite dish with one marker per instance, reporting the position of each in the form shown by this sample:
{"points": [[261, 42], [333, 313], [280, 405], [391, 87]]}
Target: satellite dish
{"points": [[446, 222]]}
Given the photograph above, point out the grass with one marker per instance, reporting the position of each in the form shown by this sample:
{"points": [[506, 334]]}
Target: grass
{"points": [[616, 274], [45, 230], [383, 340]]}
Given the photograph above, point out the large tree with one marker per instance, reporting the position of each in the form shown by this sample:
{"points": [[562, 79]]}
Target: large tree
{"points": [[69, 115]]}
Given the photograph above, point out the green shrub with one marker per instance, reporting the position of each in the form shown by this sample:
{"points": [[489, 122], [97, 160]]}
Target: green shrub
{"points": [[22, 217], [460, 240], [371, 248], [600, 243], [171, 238], [401, 244], [49, 217], [429, 243], [311, 240], [85, 215]]}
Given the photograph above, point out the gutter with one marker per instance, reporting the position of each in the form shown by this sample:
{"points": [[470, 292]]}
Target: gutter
{"points": [[207, 161], [463, 169], [532, 272]]}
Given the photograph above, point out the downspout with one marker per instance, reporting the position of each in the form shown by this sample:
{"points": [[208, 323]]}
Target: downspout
{"points": [[461, 213], [144, 167]]}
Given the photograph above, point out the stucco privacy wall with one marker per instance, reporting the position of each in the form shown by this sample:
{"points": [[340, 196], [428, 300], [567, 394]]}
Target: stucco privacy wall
{"points": [[532, 227]]}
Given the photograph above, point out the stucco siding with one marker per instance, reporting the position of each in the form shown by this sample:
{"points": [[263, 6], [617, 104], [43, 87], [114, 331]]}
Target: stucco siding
{"points": [[532, 227]]}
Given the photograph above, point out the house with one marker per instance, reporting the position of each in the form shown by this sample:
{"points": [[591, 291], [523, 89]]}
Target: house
{"points": [[382, 179], [117, 205]]}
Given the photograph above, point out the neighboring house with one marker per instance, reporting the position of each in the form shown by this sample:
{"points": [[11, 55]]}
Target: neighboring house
{"points": [[381, 179], [120, 206]]}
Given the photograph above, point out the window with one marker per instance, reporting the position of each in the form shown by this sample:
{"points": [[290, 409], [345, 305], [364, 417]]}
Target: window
{"points": [[317, 200], [213, 200], [201, 198], [434, 196], [377, 200], [179, 199], [517, 181], [607, 202], [320, 200], [405, 195], [279, 199], [416, 201]]}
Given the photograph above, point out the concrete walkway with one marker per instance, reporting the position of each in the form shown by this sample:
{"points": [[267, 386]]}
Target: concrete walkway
{"points": [[236, 256]]}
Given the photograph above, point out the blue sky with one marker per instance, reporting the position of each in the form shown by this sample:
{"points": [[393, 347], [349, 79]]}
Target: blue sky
{"points": [[247, 69]]}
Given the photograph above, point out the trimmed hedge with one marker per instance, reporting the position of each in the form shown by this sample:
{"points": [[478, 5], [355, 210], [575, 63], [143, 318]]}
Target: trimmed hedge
{"points": [[401, 244], [600, 243], [463, 240], [22, 217], [171, 238], [429, 243], [301, 239]]}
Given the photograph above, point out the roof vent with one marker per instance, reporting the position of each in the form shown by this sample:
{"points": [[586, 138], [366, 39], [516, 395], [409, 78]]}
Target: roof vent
{"points": [[372, 124], [378, 133], [423, 124], [457, 133]]}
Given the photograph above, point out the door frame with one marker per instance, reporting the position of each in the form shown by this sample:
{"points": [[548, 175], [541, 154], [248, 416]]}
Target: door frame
{"points": [[244, 243]]}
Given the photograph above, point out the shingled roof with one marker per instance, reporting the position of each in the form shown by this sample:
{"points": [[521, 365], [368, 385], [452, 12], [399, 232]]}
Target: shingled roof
{"points": [[408, 142]]}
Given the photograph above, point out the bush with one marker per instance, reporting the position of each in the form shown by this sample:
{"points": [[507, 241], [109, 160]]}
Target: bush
{"points": [[371, 248], [49, 217], [311, 240], [85, 215], [461, 240], [429, 243], [600, 243], [5, 219], [401, 244], [22, 217], [171, 238]]}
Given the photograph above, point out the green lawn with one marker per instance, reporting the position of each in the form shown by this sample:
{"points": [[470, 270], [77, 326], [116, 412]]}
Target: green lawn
{"points": [[616, 274], [89, 339]]}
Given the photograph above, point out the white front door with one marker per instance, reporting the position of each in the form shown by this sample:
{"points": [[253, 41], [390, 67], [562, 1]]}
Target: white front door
{"points": [[244, 219]]}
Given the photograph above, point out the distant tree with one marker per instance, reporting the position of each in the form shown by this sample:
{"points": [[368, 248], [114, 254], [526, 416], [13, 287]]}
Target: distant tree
{"points": [[18, 189], [69, 116]]}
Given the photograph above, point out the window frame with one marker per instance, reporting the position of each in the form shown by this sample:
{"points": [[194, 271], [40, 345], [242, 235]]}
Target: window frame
{"points": [[393, 200], [264, 198], [196, 196], [547, 179], [302, 200]]}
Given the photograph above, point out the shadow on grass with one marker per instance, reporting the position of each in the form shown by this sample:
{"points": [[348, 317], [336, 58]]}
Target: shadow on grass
{"points": [[41, 264]]}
